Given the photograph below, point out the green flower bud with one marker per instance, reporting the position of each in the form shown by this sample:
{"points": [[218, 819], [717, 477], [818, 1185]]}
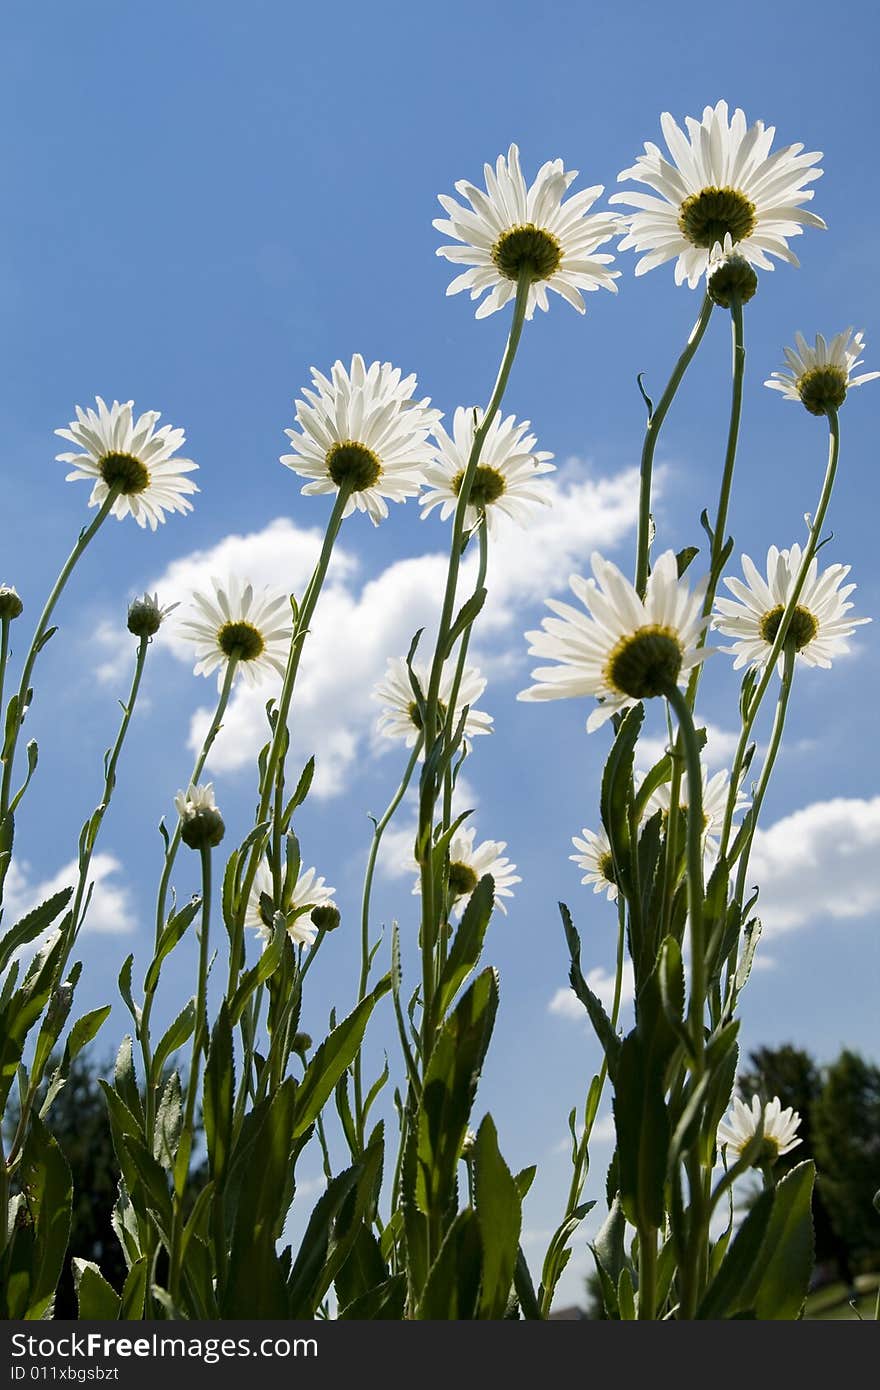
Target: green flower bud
{"points": [[326, 917], [733, 278], [201, 824], [11, 605], [145, 617]]}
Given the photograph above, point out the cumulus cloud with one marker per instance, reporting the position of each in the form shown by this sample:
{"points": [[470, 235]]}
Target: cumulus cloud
{"points": [[819, 863], [359, 623], [566, 1004], [110, 910], [719, 750]]}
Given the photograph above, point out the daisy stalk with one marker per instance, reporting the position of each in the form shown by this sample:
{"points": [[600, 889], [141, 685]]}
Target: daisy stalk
{"points": [[198, 769], [482, 568], [200, 1035], [272, 778], [551, 1270], [756, 699], [41, 636], [379, 828], [76, 913], [656, 416], [428, 796]]}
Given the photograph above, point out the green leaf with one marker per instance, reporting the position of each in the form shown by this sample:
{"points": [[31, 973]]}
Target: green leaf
{"points": [[643, 1131], [331, 1059], [169, 1119], [24, 1008], [385, 1301], [95, 1297], [174, 1037], [448, 1094], [134, 1292], [154, 1184], [724, 1295], [453, 1284], [218, 1093], [299, 796], [363, 1270], [499, 1217], [39, 1245], [171, 934], [685, 557], [82, 1033], [467, 615], [125, 990], [306, 1282], [125, 1080], [525, 1289], [30, 926], [617, 788], [609, 1040], [467, 943], [255, 1285], [779, 1288]]}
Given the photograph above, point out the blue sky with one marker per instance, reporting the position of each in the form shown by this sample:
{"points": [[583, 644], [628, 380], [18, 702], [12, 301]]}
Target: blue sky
{"points": [[203, 200]]}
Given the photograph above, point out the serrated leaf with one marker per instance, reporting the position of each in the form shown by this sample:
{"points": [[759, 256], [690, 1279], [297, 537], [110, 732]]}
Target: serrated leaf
{"points": [[499, 1218], [331, 1059], [95, 1298], [30, 926]]}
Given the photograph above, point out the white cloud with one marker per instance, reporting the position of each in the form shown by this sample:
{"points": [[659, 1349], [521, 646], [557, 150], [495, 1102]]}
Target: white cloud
{"points": [[566, 1004], [720, 746], [357, 626], [396, 859], [110, 909], [818, 863]]}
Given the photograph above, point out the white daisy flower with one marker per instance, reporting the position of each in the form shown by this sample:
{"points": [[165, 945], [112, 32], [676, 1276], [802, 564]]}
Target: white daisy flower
{"points": [[401, 718], [234, 621], [820, 376], [741, 1125], [195, 800], [309, 892], [131, 455], [716, 790], [722, 181], [510, 228], [505, 478], [623, 649], [819, 625], [361, 429], [469, 863], [595, 856]]}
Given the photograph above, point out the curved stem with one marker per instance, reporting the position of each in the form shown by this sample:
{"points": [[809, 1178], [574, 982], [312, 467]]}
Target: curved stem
{"points": [[85, 536], [687, 734], [784, 623], [198, 768], [200, 1033], [91, 829], [428, 796], [4, 654], [274, 762], [720, 528], [378, 832], [656, 418]]}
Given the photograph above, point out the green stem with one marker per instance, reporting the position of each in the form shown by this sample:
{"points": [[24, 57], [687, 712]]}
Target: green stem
{"points": [[200, 1034], [688, 736], [429, 787], [4, 653], [198, 767], [647, 1274], [655, 421], [378, 832], [784, 624], [85, 536], [76, 911], [720, 528], [274, 764]]}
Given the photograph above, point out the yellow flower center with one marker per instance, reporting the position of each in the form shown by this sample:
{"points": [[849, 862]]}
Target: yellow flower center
{"points": [[488, 485], [527, 249], [822, 387], [240, 640], [124, 472], [644, 663], [462, 879], [706, 217], [801, 630], [353, 465]]}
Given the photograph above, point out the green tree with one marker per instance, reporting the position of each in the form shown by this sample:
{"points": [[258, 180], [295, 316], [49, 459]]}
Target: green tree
{"points": [[846, 1131]]}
